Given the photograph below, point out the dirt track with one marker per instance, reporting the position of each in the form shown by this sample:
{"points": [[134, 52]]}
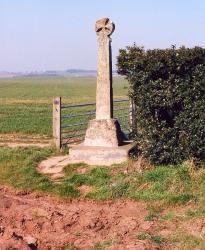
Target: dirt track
{"points": [[39, 221], [48, 223], [16, 140]]}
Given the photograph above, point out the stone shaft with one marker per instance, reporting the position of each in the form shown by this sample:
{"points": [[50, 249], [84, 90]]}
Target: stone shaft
{"points": [[104, 80], [104, 93]]}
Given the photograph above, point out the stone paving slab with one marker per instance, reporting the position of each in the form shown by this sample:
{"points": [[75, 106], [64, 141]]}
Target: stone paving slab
{"points": [[54, 166]]}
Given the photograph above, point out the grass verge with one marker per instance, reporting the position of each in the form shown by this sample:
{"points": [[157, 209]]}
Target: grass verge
{"points": [[166, 185]]}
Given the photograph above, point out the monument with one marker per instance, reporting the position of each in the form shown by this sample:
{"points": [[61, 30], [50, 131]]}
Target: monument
{"points": [[103, 144], [104, 130]]}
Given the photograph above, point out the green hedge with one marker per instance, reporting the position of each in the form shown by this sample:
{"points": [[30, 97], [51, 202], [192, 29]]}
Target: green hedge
{"points": [[168, 87]]}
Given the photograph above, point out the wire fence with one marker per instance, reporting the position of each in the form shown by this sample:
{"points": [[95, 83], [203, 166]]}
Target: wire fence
{"points": [[74, 119]]}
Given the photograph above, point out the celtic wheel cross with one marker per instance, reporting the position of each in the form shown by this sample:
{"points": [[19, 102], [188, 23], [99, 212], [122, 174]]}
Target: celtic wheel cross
{"points": [[104, 26], [104, 96]]}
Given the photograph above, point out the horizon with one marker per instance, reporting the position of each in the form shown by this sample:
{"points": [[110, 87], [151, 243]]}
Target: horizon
{"points": [[51, 35], [50, 70]]}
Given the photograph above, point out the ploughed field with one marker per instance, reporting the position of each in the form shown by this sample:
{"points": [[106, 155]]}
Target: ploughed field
{"points": [[26, 103], [38, 221]]}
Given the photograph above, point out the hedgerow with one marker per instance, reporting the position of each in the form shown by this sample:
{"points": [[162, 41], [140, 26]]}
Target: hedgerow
{"points": [[168, 87]]}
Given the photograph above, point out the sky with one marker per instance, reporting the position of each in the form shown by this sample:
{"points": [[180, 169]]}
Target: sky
{"points": [[39, 35]]}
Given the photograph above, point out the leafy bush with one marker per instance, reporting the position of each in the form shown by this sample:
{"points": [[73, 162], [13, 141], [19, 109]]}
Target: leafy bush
{"points": [[167, 86]]}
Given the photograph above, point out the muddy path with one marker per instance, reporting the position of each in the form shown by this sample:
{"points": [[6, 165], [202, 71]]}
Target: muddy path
{"points": [[39, 221]]}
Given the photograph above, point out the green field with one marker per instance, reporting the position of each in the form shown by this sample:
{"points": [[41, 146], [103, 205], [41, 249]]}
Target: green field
{"points": [[26, 103]]}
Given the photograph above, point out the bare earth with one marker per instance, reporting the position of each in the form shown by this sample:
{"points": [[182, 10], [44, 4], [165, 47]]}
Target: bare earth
{"points": [[44, 222], [39, 221], [21, 140]]}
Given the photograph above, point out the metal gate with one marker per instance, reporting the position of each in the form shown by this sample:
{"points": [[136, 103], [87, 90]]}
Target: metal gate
{"points": [[70, 120]]}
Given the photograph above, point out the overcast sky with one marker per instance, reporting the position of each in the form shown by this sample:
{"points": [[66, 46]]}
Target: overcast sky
{"points": [[59, 34]]}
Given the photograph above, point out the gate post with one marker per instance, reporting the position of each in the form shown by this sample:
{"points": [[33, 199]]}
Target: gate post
{"points": [[57, 122]]}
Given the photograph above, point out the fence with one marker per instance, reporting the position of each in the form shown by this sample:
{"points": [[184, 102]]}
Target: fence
{"points": [[70, 121]]}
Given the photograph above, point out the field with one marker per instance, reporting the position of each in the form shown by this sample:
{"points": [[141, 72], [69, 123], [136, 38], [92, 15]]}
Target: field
{"points": [[133, 205], [26, 103]]}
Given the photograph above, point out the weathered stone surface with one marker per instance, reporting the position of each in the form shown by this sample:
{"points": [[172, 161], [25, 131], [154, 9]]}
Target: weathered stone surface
{"points": [[103, 139], [99, 156], [104, 25], [104, 93], [104, 133]]}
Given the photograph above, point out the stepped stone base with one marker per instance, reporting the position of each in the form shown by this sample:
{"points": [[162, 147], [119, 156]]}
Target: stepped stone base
{"points": [[93, 155], [103, 133]]}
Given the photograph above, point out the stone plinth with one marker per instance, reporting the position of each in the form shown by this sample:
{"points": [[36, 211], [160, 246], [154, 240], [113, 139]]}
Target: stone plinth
{"points": [[99, 156], [103, 133]]}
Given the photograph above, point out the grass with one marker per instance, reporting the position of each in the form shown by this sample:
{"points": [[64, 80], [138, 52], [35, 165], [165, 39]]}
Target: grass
{"points": [[193, 213], [178, 240], [72, 89], [26, 103], [17, 168], [102, 245], [185, 241], [155, 238], [166, 185], [32, 118]]}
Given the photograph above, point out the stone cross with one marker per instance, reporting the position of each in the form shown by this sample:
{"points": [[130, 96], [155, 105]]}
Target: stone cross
{"points": [[103, 144], [104, 94], [104, 131]]}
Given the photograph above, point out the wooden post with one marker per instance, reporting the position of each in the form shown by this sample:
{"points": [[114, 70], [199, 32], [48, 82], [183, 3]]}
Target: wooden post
{"points": [[57, 122]]}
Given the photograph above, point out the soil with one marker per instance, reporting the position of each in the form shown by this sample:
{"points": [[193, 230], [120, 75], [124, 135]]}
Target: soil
{"points": [[39, 221], [21, 140]]}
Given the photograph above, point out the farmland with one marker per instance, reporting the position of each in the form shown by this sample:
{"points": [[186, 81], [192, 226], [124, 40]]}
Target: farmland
{"points": [[26, 103], [149, 207]]}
